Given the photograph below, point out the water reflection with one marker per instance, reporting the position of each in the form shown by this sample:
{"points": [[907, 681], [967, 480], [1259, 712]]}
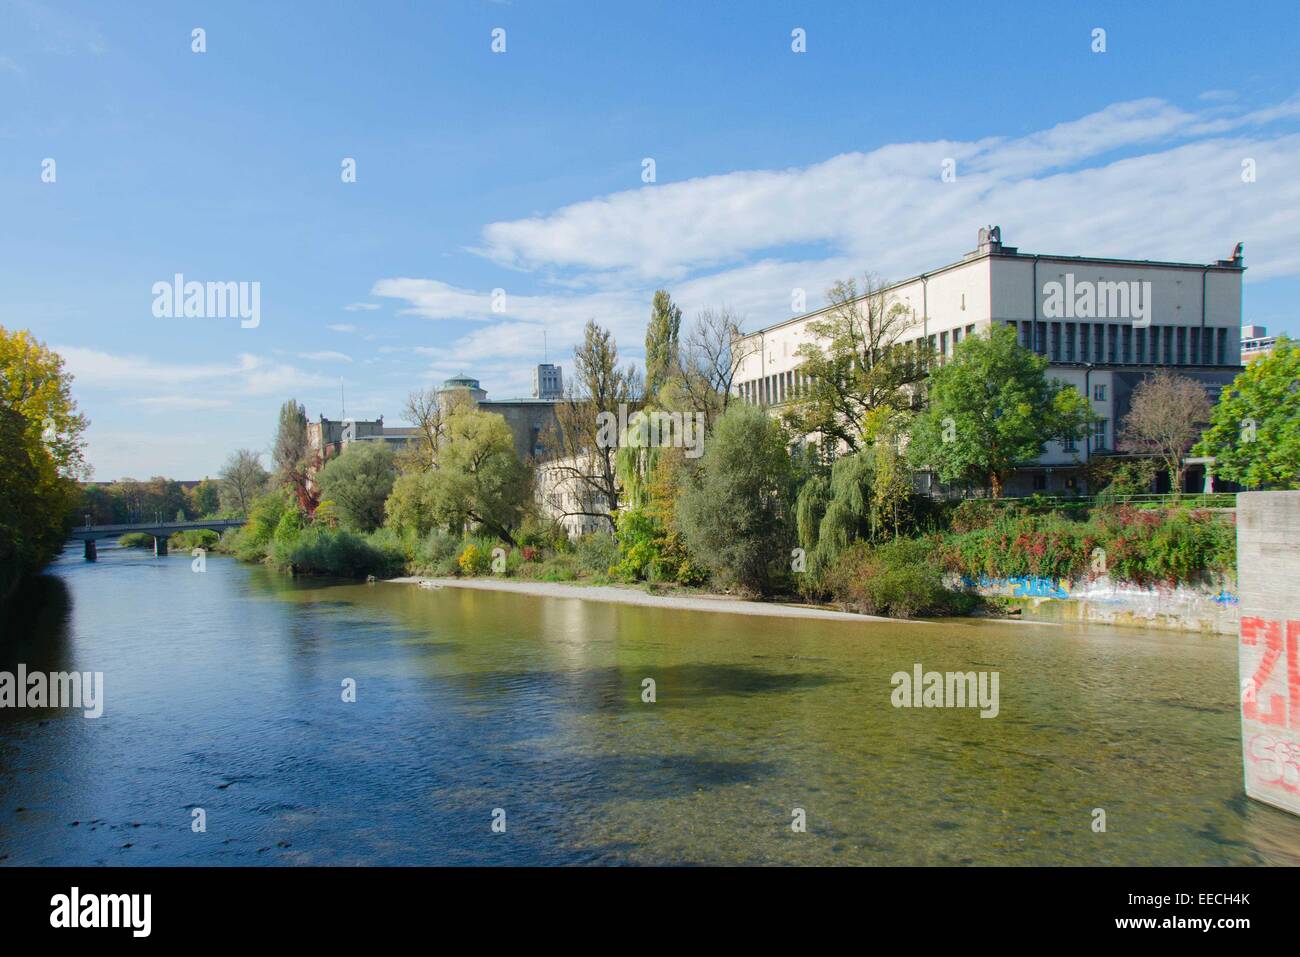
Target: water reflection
{"points": [[224, 692]]}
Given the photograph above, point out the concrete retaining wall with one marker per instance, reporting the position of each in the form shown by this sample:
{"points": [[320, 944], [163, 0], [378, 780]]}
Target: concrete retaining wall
{"points": [[1268, 567], [1210, 608]]}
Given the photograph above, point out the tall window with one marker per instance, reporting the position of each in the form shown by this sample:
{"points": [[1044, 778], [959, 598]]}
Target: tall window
{"points": [[1099, 436]]}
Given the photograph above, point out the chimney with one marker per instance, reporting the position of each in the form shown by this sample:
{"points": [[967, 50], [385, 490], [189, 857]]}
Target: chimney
{"points": [[1238, 257]]}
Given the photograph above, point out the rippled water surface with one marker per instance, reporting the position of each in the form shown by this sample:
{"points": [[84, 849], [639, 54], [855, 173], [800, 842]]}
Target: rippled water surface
{"points": [[223, 692]]}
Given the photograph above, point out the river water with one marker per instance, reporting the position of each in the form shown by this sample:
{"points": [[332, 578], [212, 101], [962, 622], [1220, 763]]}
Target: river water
{"points": [[224, 692]]}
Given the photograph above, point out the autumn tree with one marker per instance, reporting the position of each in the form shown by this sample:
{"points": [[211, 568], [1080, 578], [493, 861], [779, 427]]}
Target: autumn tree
{"points": [[243, 480], [714, 351], [857, 363], [428, 410], [584, 477], [292, 455], [1165, 417], [41, 456]]}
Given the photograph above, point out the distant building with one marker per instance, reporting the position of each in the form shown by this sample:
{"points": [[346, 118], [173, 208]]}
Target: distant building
{"points": [[1255, 342], [327, 438], [567, 499], [530, 420], [1103, 325], [548, 382]]}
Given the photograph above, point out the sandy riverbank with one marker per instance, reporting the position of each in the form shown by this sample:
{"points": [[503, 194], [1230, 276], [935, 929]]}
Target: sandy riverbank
{"points": [[635, 596]]}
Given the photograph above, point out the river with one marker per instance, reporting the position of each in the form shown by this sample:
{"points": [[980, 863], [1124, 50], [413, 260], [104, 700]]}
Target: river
{"points": [[224, 691]]}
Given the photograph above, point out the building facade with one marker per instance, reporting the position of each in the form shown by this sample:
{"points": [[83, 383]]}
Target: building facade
{"points": [[1255, 342], [548, 382], [1103, 324], [529, 420]]}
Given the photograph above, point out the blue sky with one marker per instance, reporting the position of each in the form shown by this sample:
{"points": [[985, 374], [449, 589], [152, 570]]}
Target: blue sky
{"points": [[522, 171]]}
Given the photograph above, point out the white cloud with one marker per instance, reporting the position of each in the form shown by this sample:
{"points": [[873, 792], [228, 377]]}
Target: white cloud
{"points": [[249, 375], [324, 356], [1102, 184], [341, 327], [360, 307], [174, 402]]}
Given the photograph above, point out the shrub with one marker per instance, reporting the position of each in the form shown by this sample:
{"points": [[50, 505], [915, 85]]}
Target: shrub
{"points": [[204, 538], [436, 554], [1140, 545], [323, 551], [136, 540], [899, 579], [475, 560], [597, 553]]}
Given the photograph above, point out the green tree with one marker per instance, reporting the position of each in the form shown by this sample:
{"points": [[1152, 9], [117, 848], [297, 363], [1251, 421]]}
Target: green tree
{"points": [[661, 342], [734, 513], [857, 363], [1254, 432], [991, 408], [479, 480], [358, 483]]}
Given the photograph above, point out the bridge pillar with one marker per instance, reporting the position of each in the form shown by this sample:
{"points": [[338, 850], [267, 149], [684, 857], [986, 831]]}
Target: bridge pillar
{"points": [[1268, 554], [160, 546], [91, 553]]}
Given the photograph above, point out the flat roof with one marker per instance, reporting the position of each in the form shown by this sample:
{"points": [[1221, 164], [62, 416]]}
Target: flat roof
{"points": [[1011, 253]]}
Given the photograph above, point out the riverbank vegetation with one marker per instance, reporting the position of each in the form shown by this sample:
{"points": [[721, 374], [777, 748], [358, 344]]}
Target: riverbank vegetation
{"points": [[819, 503]]}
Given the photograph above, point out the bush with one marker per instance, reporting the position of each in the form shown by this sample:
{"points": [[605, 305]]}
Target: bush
{"points": [[136, 540], [323, 551], [899, 579], [204, 538], [475, 560], [597, 553], [1139, 545]]}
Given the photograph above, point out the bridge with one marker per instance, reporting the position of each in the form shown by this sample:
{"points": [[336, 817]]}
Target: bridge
{"points": [[160, 531]]}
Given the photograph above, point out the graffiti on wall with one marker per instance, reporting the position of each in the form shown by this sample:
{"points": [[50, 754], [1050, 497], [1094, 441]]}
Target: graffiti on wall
{"points": [[1270, 709]]}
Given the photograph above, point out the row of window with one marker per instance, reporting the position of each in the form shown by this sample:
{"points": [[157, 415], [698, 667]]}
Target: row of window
{"points": [[1123, 343], [780, 386]]}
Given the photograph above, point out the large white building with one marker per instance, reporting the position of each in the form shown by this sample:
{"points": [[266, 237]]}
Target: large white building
{"points": [[1104, 324]]}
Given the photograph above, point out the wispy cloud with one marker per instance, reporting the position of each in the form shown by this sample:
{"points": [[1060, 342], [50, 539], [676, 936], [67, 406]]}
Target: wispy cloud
{"points": [[360, 307], [890, 211], [247, 375]]}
